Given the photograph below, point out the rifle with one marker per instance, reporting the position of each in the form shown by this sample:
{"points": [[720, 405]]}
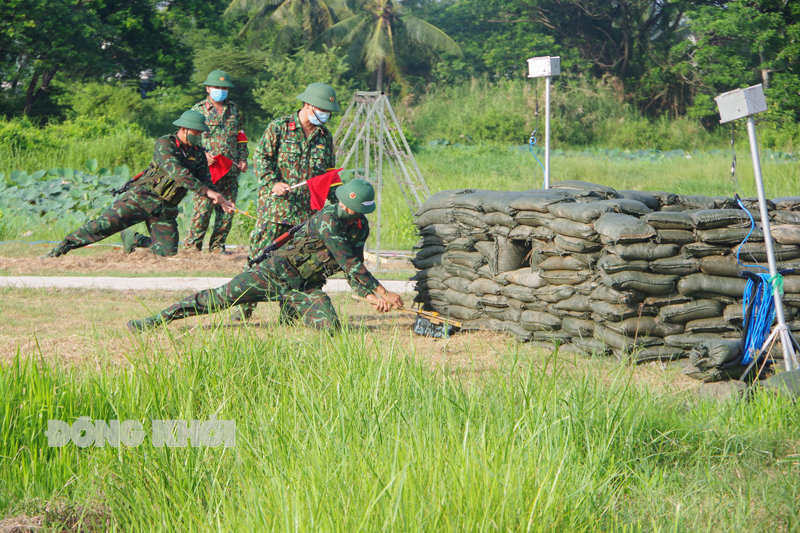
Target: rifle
{"points": [[274, 245], [431, 316], [128, 184]]}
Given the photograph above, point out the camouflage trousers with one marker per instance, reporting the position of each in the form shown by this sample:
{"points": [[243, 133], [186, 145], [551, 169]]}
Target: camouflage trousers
{"points": [[132, 207], [201, 216], [265, 233], [258, 284]]}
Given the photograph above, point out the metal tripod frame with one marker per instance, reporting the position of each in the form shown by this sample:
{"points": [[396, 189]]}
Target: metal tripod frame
{"points": [[370, 130]]}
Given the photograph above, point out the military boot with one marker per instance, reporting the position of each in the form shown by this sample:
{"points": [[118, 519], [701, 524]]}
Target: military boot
{"points": [[151, 322], [55, 252], [128, 237], [242, 313]]}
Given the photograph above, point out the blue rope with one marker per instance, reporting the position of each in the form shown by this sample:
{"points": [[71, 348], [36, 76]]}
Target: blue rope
{"points": [[752, 227], [532, 143], [761, 318]]}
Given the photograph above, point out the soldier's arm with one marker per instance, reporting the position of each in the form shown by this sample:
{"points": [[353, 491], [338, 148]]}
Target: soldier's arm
{"points": [[165, 156], [266, 155], [349, 257]]}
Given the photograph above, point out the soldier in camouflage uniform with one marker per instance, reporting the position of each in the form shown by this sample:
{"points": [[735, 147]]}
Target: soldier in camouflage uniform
{"points": [[225, 137], [178, 165], [330, 241], [293, 148]]}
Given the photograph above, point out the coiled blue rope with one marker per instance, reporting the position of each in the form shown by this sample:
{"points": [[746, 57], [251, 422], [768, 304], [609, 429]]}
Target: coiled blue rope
{"points": [[532, 143], [762, 315]]}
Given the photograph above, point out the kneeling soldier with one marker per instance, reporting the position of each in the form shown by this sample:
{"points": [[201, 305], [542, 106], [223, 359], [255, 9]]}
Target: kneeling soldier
{"points": [[179, 163], [330, 241]]}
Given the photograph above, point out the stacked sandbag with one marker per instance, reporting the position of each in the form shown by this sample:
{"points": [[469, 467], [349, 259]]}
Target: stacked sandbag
{"points": [[642, 275]]}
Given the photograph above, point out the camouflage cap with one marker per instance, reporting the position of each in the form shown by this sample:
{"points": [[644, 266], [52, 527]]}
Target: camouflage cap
{"points": [[218, 78], [194, 120], [358, 195], [320, 95]]}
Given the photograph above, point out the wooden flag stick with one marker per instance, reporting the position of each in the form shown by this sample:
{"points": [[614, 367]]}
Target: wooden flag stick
{"points": [[432, 316]]}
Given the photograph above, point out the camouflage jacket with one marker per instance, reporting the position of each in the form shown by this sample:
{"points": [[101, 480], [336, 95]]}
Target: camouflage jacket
{"points": [[284, 154], [225, 129], [175, 169], [325, 246]]}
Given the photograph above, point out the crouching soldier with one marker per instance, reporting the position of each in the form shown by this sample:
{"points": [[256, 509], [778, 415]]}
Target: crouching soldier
{"points": [[179, 165], [330, 241]]}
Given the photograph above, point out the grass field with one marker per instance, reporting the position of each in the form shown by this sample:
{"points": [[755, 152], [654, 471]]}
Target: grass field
{"points": [[371, 430]]}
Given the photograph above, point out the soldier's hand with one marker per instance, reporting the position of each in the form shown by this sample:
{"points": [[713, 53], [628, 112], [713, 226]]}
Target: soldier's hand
{"points": [[210, 159], [381, 306], [220, 200], [279, 189], [242, 165], [393, 299]]}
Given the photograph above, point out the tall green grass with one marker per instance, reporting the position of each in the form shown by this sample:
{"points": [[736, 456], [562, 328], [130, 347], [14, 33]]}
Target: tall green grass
{"points": [[334, 435]]}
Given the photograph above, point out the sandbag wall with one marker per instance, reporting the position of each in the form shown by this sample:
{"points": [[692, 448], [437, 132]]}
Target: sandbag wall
{"points": [[623, 272]]}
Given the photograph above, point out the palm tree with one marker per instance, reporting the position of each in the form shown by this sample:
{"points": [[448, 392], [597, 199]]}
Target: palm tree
{"points": [[369, 35], [308, 17]]}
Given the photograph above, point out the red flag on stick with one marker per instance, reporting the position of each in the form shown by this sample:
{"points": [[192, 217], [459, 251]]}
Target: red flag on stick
{"points": [[219, 167], [319, 186]]}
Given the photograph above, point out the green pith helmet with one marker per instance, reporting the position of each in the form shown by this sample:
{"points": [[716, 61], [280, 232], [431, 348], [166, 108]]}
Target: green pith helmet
{"points": [[357, 195], [194, 120], [320, 95], [218, 78]]}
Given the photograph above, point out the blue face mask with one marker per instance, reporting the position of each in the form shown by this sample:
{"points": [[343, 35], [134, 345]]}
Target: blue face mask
{"points": [[318, 118], [218, 95]]}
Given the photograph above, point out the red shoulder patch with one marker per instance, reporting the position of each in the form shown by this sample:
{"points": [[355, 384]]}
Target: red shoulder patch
{"points": [[292, 126]]}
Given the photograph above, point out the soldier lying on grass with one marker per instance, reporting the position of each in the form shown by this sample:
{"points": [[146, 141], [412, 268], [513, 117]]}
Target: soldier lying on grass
{"points": [[179, 165], [330, 241]]}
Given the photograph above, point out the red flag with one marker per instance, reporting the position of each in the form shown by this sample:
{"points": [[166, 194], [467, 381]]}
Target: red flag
{"points": [[318, 187], [241, 138], [219, 167]]}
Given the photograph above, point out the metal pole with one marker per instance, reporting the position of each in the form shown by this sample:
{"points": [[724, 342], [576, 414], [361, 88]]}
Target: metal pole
{"points": [[547, 80], [789, 357], [382, 118]]}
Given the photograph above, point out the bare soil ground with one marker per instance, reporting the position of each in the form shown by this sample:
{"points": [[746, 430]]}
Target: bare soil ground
{"points": [[23, 260], [87, 327]]}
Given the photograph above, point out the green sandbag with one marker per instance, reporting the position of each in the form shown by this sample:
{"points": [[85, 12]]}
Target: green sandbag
{"points": [[462, 244], [500, 201], [730, 236], [526, 278], [602, 190], [686, 342], [514, 303], [565, 277], [431, 283], [703, 283], [672, 298], [494, 301], [570, 228], [662, 220], [711, 325], [706, 219], [734, 314], [539, 321], [522, 233], [533, 218], [785, 233], [463, 313], [508, 314], [677, 266], [435, 272], [620, 312], [756, 251], [496, 231], [485, 286], [472, 260], [635, 327], [640, 281], [645, 198], [611, 264], [716, 265], [517, 331], [701, 249], [471, 219], [460, 271], [577, 303], [646, 251], [693, 310], [560, 337], [537, 202], [589, 346], [520, 292], [430, 251], [713, 375], [482, 324], [428, 262], [714, 353], [622, 342], [444, 199], [675, 208], [787, 203], [674, 236], [578, 327], [460, 298], [447, 232], [496, 218], [555, 293], [564, 262], [607, 294], [457, 284], [751, 203], [434, 216], [576, 244], [580, 195], [785, 217], [666, 198], [615, 227], [629, 207], [704, 202], [585, 213], [429, 240], [658, 353], [589, 259]]}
